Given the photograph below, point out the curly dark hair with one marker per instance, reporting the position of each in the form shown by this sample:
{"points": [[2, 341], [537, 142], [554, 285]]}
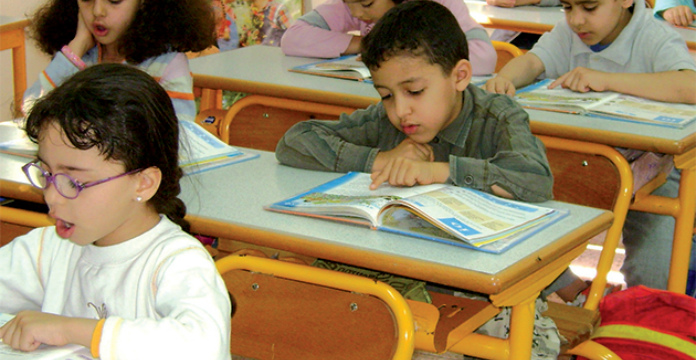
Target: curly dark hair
{"points": [[159, 26], [127, 116]]}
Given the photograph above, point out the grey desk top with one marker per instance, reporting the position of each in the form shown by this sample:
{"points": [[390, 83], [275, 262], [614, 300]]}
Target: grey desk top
{"points": [[236, 194]]}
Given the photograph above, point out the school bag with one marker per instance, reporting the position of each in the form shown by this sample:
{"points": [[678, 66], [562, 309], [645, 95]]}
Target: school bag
{"points": [[641, 323]]}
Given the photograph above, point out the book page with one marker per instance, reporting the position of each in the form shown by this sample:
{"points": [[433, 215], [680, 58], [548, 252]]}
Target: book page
{"points": [[644, 110], [345, 67], [473, 215], [349, 195], [44, 352], [347, 64], [539, 96], [201, 151]]}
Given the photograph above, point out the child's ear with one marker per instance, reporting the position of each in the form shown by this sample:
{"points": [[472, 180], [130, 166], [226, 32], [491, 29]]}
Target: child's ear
{"points": [[627, 3], [462, 74], [148, 183]]}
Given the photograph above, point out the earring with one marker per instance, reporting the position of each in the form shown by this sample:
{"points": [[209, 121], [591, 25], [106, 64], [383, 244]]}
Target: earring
{"points": [[138, 199]]}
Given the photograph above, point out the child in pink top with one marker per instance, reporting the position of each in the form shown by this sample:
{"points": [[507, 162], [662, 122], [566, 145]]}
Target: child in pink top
{"points": [[323, 32]]}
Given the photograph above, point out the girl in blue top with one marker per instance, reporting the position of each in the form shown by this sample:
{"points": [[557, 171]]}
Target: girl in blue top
{"points": [[150, 34]]}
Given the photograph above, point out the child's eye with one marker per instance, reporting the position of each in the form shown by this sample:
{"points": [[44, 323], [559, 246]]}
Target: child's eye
{"points": [[589, 8], [386, 97], [416, 92], [367, 5]]}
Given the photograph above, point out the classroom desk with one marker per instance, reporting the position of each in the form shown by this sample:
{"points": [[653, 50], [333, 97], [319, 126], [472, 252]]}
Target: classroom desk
{"points": [[233, 209], [535, 19], [12, 37], [237, 70], [263, 70]]}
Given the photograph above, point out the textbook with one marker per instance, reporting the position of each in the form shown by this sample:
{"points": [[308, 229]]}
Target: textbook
{"points": [[606, 104], [202, 151], [199, 150], [44, 352], [344, 67], [439, 212]]}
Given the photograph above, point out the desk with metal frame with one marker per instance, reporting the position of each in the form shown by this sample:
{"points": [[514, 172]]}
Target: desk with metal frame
{"points": [[12, 37], [227, 202], [240, 70]]}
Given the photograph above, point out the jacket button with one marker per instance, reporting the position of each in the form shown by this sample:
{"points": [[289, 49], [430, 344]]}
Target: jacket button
{"points": [[469, 180]]}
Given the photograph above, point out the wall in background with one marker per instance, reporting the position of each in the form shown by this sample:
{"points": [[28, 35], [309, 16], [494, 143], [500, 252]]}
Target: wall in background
{"points": [[36, 60]]}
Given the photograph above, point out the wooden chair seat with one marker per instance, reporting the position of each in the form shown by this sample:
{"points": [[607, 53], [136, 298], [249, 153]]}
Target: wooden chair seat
{"points": [[575, 324]]}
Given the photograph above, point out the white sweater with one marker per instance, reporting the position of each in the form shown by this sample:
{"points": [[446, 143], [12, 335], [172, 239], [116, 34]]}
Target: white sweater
{"points": [[159, 292]]}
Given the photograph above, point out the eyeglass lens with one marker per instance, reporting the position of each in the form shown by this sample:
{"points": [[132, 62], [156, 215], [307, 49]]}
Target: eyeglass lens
{"points": [[65, 185]]}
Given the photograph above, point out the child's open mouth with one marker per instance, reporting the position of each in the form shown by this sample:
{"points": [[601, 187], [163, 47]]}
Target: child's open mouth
{"points": [[100, 30], [64, 228]]}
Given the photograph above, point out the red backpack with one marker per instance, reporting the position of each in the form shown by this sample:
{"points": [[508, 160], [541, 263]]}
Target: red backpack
{"points": [[642, 323]]}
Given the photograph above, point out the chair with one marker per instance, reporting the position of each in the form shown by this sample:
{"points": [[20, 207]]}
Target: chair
{"points": [[506, 52], [598, 176], [286, 310], [15, 222], [258, 121]]}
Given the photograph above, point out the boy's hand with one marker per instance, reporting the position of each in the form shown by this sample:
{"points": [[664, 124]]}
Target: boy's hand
{"points": [[408, 149], [408, 172], [679, 15], [582, 79], [500, 85], [29, 329]]}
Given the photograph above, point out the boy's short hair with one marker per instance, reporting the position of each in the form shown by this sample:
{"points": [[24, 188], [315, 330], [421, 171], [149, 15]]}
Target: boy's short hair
{"points": [[416, 28]]}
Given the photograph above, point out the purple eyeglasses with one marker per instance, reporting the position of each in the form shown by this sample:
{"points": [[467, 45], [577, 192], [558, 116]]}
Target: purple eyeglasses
{"points": [[66, 186]]}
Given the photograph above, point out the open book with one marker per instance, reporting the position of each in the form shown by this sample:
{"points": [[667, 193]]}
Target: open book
{"points": [[199, 150], [44, 352], [605, 104], [344, 67], [444, 213]]}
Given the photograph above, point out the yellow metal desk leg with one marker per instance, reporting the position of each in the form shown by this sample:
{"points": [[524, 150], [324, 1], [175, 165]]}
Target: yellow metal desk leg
{"points": [[521, 329], [683, 231]]}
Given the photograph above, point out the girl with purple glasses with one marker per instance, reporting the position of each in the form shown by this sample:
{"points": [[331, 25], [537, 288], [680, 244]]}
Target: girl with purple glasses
{"points": [[117, 273]]}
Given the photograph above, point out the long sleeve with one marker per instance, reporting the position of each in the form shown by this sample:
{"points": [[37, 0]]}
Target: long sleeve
{"points": [[489, 143], [57, 71], [481, 52], [322, 32], [20, 273], [191, 315], [171, 70], [173, 73], [159, 292], [348, 144], [494, 146]]}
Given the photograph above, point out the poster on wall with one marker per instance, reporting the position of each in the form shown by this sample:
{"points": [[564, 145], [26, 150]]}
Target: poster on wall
{"points": [[250, 22]]}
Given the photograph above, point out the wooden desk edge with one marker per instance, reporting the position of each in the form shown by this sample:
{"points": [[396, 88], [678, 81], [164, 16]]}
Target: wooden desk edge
{"points": [[280, 91]]}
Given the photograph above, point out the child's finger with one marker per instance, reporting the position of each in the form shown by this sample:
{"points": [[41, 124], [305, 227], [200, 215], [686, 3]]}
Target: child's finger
{"points": [[380, 177]]}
